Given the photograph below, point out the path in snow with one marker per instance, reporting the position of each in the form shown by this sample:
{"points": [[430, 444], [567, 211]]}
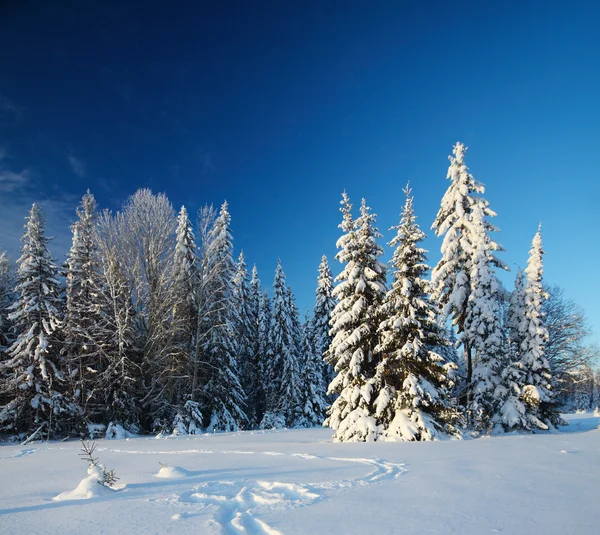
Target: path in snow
{"points": [[235, 506]]}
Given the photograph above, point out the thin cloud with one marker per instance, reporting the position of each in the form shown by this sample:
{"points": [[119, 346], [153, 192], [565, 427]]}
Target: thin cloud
{"points": [[77, 166], [10, 181]]}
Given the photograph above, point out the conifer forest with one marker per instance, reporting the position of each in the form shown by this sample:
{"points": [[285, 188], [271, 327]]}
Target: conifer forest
{"points": [[155, 324]]}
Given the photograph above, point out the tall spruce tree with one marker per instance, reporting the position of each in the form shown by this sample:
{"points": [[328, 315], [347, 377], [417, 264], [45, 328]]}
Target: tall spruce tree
{"points": [[185, 288], [255, 391], [537, 392], [354, 321], [223, 393], [246, 336], [35, 376], [483, 328], [512, 412], [6, 299], [312, 406], [85, 330], [412, 401], [264, 353], [451, 277], [319, 330], [282, 373]]}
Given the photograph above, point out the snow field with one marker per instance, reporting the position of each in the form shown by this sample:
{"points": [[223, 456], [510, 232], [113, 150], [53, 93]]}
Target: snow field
{"points": [[298, 481]]}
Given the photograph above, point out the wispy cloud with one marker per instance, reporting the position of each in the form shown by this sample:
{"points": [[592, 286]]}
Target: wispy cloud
{"points": [[77, 165], [10, 181]]}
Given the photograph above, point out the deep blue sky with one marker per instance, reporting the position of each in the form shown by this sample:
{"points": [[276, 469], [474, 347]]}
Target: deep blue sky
{"points": [[280, 106]]}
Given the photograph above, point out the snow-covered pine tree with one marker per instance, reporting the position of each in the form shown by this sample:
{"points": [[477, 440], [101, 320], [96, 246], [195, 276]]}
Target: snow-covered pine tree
{"points": [[450, 278], [282, 374], [483, 329], [319, 330], [537, 392], [224, 397], [184, 323], [354, 322], [512, 412], [34, 366], [411, 404], [85, 329], [264, 352], [6, 300], [246, 336], [254, 389], [312, 404]]}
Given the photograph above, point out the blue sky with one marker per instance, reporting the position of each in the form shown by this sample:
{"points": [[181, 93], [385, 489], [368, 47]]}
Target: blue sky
{"points": [[280, 106]]}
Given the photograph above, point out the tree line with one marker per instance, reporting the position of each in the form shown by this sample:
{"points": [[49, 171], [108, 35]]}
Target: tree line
{"points": [[152, 324]]}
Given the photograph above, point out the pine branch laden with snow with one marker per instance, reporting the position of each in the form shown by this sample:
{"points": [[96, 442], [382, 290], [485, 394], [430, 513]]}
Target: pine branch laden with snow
{"points": [[412, 380], [34, 369], [223, 395], [359, 293], [451, 277]]}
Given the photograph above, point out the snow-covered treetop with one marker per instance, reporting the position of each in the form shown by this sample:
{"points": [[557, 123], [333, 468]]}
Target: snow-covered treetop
{"points": [[535, 270]]}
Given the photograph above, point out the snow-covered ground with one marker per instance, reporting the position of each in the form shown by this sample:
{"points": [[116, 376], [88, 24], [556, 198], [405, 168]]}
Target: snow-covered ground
{"points": [[298, 481]]}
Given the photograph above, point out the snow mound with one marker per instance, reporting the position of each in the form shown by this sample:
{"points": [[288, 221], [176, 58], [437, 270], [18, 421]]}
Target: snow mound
{"points": [[89, 487], [117, 432], [172, 472]]}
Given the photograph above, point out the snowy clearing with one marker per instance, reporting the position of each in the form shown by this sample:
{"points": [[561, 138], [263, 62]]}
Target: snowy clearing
{"points": [[298, 481]]}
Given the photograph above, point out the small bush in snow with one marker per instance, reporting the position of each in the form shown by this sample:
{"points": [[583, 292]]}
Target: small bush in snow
{"points": [[106, 478]]}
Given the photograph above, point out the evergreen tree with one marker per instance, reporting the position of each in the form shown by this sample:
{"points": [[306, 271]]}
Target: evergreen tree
{"points": [[85, 330], [451, 277], [224, 396], [354, 321], [319, 330], [512, 413], [184, 324], [413, 381], [483, 328], [312, 406], [264, 351], [282, 373], [247, 335], [34, 367], [6, 299], [537, 393]]}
